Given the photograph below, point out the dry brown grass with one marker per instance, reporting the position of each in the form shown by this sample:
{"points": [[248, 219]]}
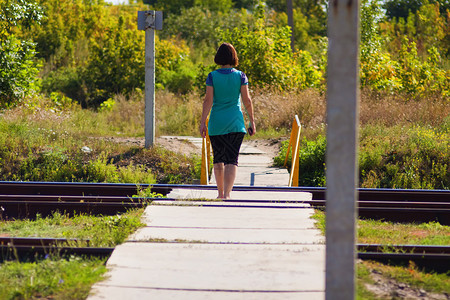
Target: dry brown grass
{"points": [[129, 111], [394, 109], [277, 110], [274, 112], [178, 115]]}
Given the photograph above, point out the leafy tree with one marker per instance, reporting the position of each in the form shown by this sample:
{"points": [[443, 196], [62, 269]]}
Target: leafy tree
{"points": [[313, 10], [377, 69], [174, 69], [248, 4], [402, 8], [66, 24], [18, 69], [176, 6], [406, 71], [431, 28], [265, 56], [199, 26], [301, 28], [215, 5], [420, 77], [170, 6], [116, 63], [426, 27]]}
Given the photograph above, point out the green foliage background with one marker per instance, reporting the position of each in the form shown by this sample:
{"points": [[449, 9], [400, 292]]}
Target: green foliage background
{"points": [[90, 50], [89, 53]]}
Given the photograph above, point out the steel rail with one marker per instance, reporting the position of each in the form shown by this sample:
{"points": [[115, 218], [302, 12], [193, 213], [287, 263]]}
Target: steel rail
{"points": [[40, 241], [29, 209], [436, 258], [126, 199], [429, 257], [126, 189], [26, 199], [420, 249], [75, 188], [319, 193], [32, 248], [25, 252]]}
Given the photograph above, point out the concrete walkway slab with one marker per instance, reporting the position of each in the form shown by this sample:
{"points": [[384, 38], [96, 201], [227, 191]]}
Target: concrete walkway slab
{"points": [[231, 218], [207, 224], [141, 293], [225, 268], [227, 236]]}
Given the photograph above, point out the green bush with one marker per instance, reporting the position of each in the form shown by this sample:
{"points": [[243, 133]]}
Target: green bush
{"points": [[102, 170], [18, 71], [417, 160], [68, 81], [18, 68], [311, 162]]}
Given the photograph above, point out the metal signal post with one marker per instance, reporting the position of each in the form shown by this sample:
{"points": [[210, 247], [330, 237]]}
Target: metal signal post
{"points": [[149, 21]]}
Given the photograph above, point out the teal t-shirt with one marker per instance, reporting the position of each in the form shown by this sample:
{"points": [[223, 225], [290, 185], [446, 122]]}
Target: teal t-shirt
{"points": [[226, 113]]}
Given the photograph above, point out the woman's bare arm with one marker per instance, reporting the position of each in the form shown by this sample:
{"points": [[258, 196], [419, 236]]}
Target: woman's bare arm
{"points": [[207, 104], [248, 104]]}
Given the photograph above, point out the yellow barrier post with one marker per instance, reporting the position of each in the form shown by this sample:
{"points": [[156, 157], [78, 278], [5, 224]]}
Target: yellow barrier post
{"points": [[294, 143], [206, 154]]}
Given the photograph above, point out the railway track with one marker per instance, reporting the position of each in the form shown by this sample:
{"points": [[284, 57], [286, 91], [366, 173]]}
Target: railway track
{"points": [[432, 258], [29, 249], [436, 258], [26, 199]]}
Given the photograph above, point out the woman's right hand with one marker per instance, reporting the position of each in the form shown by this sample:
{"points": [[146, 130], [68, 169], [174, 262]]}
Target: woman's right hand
{"points": [[251, 129]]}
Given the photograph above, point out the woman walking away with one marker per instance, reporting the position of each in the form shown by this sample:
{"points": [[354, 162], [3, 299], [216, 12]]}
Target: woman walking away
{"points": [[224, 89]]}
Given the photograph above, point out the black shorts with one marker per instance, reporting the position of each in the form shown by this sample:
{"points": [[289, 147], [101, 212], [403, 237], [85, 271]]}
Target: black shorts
{"points": [[226, 147]]}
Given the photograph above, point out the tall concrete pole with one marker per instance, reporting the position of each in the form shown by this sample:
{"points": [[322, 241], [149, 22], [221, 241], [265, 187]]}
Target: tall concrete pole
{"points": [[149, 87], [341, 157]]}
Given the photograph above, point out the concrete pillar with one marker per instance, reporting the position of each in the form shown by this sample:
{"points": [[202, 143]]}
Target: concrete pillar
{"points": [[341, 157]]}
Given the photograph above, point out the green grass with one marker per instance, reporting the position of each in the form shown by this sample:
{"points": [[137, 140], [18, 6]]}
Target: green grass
{"points": [[411, 275], [409, 157], [363, 277], [382, 232], [102, 231], [29, 151], [50, 278], [389, 233], [54, 277]]}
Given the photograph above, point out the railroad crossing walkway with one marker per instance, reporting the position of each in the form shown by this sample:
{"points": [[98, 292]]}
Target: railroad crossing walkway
{"points": [[262, 247]]}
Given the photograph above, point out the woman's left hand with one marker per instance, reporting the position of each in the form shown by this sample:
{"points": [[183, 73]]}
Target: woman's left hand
{"points": [[203, 130]]}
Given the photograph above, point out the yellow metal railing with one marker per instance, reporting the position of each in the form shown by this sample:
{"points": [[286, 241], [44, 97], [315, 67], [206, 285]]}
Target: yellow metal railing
{"points": [[294, 143], [206, 154]]}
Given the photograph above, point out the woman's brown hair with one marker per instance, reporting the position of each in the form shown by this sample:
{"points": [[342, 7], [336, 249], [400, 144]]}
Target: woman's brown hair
{"points": [[226, 55]]}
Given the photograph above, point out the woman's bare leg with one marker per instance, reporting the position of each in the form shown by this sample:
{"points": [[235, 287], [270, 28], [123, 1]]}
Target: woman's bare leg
{"points": [[219, 175], [229, 177]]}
